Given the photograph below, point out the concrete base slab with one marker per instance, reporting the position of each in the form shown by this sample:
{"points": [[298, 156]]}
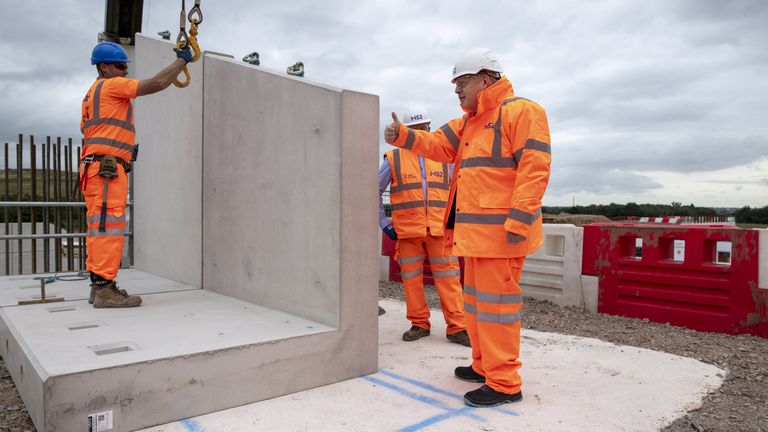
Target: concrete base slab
{"points": [[570, 384], [180, 354], [27, 287]]}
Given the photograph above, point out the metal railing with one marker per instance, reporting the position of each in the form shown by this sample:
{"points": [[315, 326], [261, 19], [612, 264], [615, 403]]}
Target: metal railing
{"points": [[48, 209]]}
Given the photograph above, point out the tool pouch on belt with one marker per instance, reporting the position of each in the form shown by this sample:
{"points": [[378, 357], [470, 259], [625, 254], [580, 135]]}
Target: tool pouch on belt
{"points": [[108, 170], [108, 167]]}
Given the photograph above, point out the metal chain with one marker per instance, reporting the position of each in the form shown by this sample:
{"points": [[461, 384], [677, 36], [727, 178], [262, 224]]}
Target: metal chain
{"points": [[185, 40]]}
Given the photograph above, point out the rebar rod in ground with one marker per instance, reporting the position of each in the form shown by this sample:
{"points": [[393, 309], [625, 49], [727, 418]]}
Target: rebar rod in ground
{"points": [[5, 214], [33, 197], [19, 161], [57, 198], [82, 212], [68, 191], [46, 212]]}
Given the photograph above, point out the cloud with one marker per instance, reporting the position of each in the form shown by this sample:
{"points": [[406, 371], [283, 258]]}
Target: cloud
{"points": [[572, 180], [630, 88]]}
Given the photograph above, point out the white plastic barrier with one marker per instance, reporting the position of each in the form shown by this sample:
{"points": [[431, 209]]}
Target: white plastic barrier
{"points": [[553, 272], [762, 256]]}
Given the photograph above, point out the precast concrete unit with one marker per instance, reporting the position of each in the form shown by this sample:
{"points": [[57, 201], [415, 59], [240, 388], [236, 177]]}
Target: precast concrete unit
{"points": [[254, 195]]}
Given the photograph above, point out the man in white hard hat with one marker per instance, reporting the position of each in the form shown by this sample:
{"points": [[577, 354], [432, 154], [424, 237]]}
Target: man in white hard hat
{"points": [[418, 195], [501, 149]]}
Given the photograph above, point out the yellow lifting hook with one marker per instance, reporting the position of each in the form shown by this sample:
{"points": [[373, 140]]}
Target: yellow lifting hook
{"points": [[183, 40]]}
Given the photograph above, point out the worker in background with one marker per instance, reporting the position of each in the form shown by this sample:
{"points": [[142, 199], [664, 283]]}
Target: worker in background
{"points": [[109, 148], [501, 149], [418, 196]]}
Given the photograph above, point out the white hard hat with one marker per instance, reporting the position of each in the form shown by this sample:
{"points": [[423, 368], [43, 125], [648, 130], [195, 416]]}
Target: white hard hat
{"points": [[415, 114], [475, 60]]}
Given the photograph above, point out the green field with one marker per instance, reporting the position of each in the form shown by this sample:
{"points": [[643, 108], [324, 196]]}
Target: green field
{"points": [[751, 225], [9, 183]]}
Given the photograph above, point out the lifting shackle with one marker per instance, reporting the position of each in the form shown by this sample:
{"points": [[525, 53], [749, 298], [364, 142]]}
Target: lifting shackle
{"points": [[184, 40]]}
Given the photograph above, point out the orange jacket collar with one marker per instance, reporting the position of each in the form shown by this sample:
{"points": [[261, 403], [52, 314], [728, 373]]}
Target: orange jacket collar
{"points": [[494, 95]]}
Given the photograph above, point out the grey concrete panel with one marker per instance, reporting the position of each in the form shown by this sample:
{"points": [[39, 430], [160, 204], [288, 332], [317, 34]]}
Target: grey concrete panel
{"points": [[191, 352], [359, 243], [27, 374], [167, 176], [272, 176]]}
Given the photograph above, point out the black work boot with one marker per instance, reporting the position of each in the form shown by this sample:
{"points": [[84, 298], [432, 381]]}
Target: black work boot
{"points": [[466, 373], [415, 333], [461, 338], [486, 397], [96, 283]]}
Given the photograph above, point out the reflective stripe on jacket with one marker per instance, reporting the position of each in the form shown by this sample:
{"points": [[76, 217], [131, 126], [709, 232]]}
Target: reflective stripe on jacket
{"points": [[107, 118], [411, 215], [502, 155]]}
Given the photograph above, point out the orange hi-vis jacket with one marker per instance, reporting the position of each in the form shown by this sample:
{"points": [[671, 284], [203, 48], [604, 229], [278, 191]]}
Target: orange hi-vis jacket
{"points": [[502, 155], [411, 213], [107, 118]]}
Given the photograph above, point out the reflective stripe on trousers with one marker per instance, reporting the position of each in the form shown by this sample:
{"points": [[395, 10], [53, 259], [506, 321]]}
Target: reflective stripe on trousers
{"points": [[492, 303], [105, 249], [411, 254]]}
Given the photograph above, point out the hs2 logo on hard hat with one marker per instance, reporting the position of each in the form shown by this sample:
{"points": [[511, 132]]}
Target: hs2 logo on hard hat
{"points": [[416, 117]]}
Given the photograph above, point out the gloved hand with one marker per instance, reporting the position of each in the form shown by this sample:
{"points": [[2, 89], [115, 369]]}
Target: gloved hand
{"points": [[185, 54], [389, 230]]}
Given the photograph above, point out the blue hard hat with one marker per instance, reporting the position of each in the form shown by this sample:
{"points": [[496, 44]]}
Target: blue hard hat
{"points": [[108, 52]]}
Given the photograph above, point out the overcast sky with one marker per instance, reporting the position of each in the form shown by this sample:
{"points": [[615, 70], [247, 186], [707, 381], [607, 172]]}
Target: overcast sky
{"points": [[648, 101]]}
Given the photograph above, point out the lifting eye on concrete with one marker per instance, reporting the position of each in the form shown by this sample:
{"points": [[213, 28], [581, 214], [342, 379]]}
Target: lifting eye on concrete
{"points": [[252, 58]]}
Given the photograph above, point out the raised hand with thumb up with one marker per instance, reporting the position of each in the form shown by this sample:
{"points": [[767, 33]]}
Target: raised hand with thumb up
{"points": [[392, 130]]}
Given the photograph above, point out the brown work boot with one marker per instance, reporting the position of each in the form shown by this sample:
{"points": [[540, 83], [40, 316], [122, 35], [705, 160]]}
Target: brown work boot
{"points": [[461, 338], [415, 333], [96, 282], [110, 296]]}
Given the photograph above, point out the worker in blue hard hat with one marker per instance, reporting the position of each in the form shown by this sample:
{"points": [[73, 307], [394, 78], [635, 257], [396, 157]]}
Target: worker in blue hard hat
{"points": [[108, 149]]}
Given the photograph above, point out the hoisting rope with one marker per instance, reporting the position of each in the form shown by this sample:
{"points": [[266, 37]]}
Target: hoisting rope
{"points": [[184, 40]]}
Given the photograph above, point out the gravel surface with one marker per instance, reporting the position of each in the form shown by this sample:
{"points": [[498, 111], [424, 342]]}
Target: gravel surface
{"points": [[741, 404], [13, 414]]}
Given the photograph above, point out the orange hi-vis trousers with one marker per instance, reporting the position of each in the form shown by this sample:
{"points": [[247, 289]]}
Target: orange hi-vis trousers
{"points": [[105, 249], [411, 253], [492, 304]]}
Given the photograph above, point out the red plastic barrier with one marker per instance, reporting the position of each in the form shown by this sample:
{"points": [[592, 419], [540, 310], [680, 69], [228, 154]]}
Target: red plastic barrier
{"points": [[691, 290], [388, 249]]}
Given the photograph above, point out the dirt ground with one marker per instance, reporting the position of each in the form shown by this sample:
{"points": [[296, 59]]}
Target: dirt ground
{"points": [[741, 404], [13, 414]]}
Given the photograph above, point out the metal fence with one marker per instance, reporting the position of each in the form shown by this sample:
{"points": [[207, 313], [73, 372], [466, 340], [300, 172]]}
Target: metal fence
{"points": [[42, 209]]}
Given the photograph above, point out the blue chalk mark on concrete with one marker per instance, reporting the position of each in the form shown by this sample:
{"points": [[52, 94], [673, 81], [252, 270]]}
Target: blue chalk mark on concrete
{"points": [[434, 389], [438, 418], [421, 398], [192, 425], [449, 413]]}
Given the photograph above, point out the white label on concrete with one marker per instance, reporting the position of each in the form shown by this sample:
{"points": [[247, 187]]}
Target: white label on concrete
{"points": [[100, 421]]}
